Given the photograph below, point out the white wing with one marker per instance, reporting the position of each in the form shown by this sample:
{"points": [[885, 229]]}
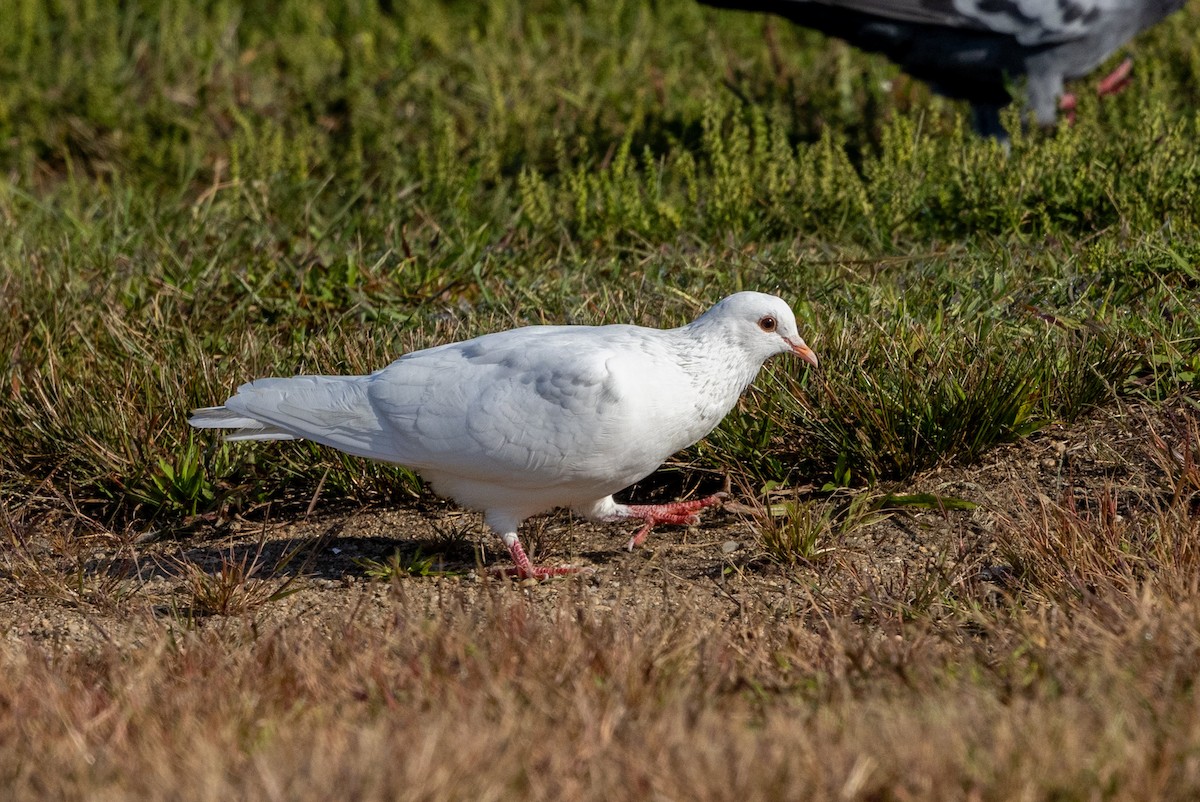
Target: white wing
{"points": [[537, 406]]}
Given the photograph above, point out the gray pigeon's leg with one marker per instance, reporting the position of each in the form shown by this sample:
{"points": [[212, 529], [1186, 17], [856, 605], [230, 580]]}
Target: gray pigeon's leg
{"points": [[1111, 84], [1116, 80], [1043, 88], [985, 119]]}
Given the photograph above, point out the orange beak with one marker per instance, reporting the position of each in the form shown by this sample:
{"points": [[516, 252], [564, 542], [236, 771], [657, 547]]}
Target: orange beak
{"points": [[803, 351]]}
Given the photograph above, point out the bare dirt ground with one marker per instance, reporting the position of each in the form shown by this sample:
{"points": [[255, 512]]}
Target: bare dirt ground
{"points": [[327, 564]]}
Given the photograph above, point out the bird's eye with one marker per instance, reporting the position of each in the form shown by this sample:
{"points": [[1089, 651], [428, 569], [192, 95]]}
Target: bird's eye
{"points": [[767, 323]]}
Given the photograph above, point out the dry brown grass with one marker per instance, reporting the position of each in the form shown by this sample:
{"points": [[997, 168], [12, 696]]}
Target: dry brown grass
{"points": [[498, 699], [1059, 663]]}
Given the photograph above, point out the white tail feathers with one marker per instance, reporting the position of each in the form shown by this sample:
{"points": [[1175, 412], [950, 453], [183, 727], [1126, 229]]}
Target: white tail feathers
{"points": [[331, 410], [247, 428]]}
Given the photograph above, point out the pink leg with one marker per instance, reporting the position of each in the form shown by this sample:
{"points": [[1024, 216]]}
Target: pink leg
{"points": [[1116, 80], [680, 513], [1111, 84], [527, 570]]}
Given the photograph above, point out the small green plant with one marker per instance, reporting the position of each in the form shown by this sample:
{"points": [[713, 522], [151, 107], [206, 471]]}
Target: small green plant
{"points": [[1092, 368], [796, 531], [925, 501], [909, 395], [182, 485], [912, 405], [842, 474], [400, 565]]}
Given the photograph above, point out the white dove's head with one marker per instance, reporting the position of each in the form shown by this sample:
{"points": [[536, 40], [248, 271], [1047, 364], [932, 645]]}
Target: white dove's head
{"points": [[763, 325]]}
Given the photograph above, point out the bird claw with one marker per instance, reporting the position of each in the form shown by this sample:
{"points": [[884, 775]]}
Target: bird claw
{"points": [[539, 573], [680, 513], [640, 537], [1116, 80], [524, 569], [1110, 84]]}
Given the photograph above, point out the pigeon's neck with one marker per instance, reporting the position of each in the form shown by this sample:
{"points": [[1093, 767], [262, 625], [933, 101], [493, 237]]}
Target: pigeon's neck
{"points": [[719, 366]]}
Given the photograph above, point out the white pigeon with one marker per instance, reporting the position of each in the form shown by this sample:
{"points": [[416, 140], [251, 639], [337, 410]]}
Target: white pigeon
{"points": [[523, 421]]}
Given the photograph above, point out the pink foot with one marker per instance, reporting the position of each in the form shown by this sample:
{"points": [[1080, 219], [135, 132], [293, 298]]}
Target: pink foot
{"points": [[1111, 84], [1116, 80], [524, 569], [680, 513]]}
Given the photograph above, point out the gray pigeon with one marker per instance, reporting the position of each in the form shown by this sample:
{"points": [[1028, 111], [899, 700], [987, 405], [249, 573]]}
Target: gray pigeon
{"points": [[521, 421], [971, 49]]}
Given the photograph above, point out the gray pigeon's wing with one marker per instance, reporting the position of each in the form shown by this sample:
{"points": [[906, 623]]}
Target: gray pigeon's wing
{"points": [[1042, 22], [1030, 22], [921, 12]]}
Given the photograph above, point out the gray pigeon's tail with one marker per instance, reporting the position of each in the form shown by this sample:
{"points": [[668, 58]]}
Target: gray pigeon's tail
{"points": [[246, 428]]}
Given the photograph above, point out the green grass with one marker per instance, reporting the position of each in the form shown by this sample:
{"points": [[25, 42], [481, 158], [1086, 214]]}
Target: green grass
{"points": [[320, 190], [400, 565]]}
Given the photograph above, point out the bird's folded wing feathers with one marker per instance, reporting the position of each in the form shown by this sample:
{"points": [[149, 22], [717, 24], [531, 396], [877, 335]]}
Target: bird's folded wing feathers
{"points": [[1031, 22], [520, 404]]}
